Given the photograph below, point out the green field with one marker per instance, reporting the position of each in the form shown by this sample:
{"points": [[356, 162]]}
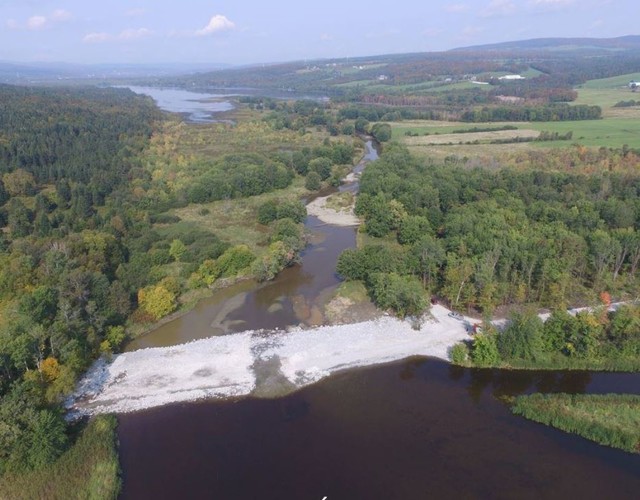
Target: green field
{"points": [[610, 419], [619, 126], [611, 83]]}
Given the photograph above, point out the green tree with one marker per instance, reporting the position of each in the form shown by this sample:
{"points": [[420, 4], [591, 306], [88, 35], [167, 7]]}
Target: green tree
{"points": [[484, 351], [412, 228], [522, 338], [321, 166], [403, 294], [177, 250], [557, 330], [313, 181], [234, 260], [381, 132], [19, 218], [427, 255], [157, 301]]}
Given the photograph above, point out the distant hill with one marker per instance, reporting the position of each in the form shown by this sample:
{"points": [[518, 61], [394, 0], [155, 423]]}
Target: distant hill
{"points": [[44, 72], [623, 43]]}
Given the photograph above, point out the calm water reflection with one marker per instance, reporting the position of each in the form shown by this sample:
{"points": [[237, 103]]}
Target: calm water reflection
{"points": [[198, 107]]}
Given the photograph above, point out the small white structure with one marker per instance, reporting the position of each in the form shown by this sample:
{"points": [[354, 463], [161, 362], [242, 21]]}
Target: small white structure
{"points": [[512, 77]]}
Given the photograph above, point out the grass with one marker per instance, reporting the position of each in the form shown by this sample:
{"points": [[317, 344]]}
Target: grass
{"points": [[611, 419], [235, 221], [389, 241], [88, 470], [613, 82], [618, 127], [611, 132], [340, 201], [352, 290]]}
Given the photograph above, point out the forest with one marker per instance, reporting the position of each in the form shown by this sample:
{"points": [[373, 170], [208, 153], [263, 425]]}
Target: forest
{"points": [[91, 248], [113, 216], [65, 156], [483, 239]]}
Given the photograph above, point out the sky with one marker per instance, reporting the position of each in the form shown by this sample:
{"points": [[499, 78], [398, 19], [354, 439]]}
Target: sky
{"points": [[262, 31]]}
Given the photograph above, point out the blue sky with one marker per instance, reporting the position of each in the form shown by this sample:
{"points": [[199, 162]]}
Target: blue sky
{"points": [[253, 31]]}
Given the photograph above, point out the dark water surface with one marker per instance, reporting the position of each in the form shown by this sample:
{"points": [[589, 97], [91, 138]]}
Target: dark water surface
{"points": [[410, 430]]}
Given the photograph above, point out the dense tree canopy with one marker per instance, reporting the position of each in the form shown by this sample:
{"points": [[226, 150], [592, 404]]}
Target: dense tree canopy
{"points": [[482, 239]]}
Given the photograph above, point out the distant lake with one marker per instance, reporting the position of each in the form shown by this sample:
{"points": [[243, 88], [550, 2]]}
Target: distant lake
{"points": [[197, 107]]}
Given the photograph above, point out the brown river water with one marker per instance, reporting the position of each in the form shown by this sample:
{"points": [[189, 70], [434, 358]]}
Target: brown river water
{"points": [[415, 429]]}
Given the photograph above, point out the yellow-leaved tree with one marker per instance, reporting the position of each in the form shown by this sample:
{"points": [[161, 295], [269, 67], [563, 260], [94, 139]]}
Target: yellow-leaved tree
{"points": [[157, 301]]}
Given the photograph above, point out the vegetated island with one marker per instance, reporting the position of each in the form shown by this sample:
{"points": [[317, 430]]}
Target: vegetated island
{"points": [[609, 419]]}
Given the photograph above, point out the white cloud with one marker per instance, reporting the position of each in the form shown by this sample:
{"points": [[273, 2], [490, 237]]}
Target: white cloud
{"points": [[61, 15], [216, 24], [97, 38], [470, 32], [550, 5], [551, 2], [36, 22], [457, 8], [123, 36], [498, 8], [134, 34]]}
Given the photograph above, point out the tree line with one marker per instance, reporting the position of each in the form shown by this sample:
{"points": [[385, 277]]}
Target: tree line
{"points": [[481, 239]]}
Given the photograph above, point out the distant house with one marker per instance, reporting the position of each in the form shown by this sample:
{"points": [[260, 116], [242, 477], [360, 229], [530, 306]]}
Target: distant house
{"points": [[512, 77], [382, 78]]}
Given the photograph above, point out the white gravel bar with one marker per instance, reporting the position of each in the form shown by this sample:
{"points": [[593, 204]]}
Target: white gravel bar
{"points": [[221, 367]]}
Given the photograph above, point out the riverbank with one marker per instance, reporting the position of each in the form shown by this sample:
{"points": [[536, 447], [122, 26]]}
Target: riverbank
{"points": [[328, 215], [226, 367], [609, 419], [88, 469]]}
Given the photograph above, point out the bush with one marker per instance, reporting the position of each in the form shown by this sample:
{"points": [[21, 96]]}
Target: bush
{"points": [[322, 166], [235, 260], [485, 350], [268, 212], [381, 132], [522, 339], [403, 294], [460, 354], [313, 181], [361, 264]]}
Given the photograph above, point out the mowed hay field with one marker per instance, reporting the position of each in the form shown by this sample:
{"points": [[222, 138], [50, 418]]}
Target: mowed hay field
{"points": [[619, 126]]}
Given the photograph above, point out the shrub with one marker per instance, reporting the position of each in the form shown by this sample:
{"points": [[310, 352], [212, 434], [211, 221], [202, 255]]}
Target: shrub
{"points": [[313, 181], [485, 350], [460, 354], [402, 294], [235, 260], [522, 339]]}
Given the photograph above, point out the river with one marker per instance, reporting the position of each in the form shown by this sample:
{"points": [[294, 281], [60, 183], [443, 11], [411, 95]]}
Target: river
{"points": [[419, 428]]}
